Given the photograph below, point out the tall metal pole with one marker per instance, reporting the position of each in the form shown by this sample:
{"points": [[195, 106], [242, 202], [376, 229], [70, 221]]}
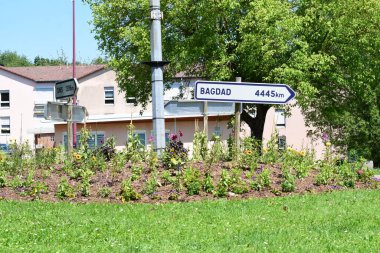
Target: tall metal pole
{"points": [[157, 77], [74, 76]]}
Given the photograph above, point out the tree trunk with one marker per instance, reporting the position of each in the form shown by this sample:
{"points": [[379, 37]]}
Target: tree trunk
{"points": [[256, 124]]}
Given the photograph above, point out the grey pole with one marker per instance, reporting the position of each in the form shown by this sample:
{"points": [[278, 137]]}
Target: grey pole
{"points": [[157, 77]]}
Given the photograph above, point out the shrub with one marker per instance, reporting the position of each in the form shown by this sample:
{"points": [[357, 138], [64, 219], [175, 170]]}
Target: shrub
{"points": [[127, 192], [200, 146], [288, 185], [262, 180], [64, 190], [223, 185], [175, 155], [208, 185], [192, 181], [104, 192], [237, 185]]}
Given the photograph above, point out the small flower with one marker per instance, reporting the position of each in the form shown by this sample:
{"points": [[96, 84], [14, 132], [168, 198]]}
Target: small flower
{"points": [[151, 139], [328, 144], [265, 150], [325, 137], [302, 153], [248, 152], [180, 133], [94, 158], [173, 137], [77, 156]]}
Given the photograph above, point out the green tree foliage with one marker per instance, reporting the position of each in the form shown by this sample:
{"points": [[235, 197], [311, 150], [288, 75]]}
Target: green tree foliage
{"points": [[12, 59], [336, 71], [327, 50]]}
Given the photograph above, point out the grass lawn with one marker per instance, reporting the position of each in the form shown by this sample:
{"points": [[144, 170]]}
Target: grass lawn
{"points": [[344, 221]]}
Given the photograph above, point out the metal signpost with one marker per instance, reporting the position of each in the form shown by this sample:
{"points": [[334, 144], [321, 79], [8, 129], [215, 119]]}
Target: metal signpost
{"points": [[67, 89]]}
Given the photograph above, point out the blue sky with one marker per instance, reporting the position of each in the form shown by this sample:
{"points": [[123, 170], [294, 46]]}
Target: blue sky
{"points": [[44, 28]]}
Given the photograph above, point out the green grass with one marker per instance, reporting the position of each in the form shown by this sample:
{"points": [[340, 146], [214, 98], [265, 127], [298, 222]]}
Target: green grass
{"points": [[346, 221]]}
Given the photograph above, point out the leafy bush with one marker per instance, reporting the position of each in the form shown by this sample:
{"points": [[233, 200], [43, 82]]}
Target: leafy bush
{"points": [[104, 192], [223, 184], [127, 192], [262, 180], [200, 146], [288, 185], [192, 181], [237, 185], [208, 185], [175, 155], [64, 190]]}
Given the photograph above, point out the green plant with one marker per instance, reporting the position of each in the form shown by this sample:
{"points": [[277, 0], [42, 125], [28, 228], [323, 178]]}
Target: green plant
{"points": [[270, 153], [175, 155], [3, 179], [118, 162], [36, 189], [237, 184], [85, 184], [325, 175], [166, 178], [262, 180], [136, 171], [152, 159], [199, 146], [134, 150], [288, 185], [216, 152], [104, 192], [223, 184], [64, 189], [151, 184], [208, 185], [16, 182], [192, 181], [127, 192], [250, 156]]}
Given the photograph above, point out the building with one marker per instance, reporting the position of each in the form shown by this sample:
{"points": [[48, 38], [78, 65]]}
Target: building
{"points": [[25, 91]]}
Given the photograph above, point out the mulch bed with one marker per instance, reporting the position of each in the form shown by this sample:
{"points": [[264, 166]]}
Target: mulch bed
{"points": [[162, 194]]}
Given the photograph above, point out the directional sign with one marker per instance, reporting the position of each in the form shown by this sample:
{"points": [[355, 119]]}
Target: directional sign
{"points": [[59, 112], [66, 88], [258, 93]]}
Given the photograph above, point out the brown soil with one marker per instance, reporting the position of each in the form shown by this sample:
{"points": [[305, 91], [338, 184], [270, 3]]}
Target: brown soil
{"points": [[163, 193]]}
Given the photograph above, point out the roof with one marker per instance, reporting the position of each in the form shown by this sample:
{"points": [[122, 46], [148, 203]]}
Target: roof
{"points": [[52, 73]]}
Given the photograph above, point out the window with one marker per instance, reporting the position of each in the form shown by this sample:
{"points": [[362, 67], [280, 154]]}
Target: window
{"points": [[97, 139], [109, 95], [218, 131], [142, 136], [39, 110], [4, 96], [5, 125], [280, 117], [282, 142]]}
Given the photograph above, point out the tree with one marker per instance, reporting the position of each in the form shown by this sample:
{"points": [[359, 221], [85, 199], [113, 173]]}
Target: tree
{"points": [[337, 71], [217, 40], [327, 50], [12, 59]]}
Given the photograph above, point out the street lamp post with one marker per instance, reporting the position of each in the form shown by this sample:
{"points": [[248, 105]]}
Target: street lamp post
{"points": [[157, 76]]}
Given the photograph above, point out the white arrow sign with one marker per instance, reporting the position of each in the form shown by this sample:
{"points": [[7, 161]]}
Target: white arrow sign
{"points": [[258, 93]]}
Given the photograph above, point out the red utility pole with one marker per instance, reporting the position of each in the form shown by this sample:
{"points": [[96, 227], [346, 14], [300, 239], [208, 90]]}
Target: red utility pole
{"points": [[74, 76]]}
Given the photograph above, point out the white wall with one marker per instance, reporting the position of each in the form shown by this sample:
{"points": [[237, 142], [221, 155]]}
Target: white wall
{"points": [[23, 125]]}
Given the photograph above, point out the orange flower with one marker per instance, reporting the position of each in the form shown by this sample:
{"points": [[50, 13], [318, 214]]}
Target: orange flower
{"points": [[248, 152]]}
